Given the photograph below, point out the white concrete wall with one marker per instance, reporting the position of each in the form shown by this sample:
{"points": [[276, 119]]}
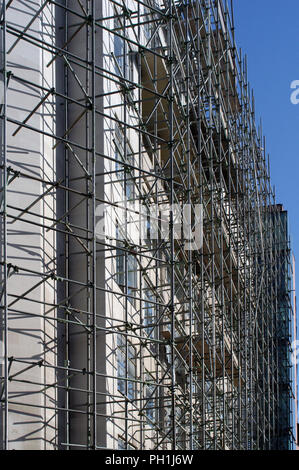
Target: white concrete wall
{"points": [[32, 331]]}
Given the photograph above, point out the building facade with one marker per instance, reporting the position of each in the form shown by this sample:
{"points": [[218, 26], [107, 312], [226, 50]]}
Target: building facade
{"points": [[145, 295]]}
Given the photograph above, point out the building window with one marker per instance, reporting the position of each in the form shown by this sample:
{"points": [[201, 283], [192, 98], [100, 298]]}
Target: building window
{"points": [[121, 368], [120, 259], [118, 155], [132, 277], [148, 29], [124, 174], [132, 281], [125, 58], [119, 47], [149, 316], [122, 445], [150, 404]]}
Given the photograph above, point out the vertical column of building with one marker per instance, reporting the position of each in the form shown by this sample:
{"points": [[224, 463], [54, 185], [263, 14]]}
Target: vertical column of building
{"points": [[84, 301]]}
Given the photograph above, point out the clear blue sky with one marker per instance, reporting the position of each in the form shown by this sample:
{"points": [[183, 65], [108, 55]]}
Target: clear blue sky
{"points": [[268, 32]]}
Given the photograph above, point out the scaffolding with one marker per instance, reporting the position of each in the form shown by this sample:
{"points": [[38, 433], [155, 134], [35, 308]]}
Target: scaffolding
{"points": [[112, 337]]}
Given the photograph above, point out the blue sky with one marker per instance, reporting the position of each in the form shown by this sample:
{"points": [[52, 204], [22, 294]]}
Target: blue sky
{"points": [[268, 32]]}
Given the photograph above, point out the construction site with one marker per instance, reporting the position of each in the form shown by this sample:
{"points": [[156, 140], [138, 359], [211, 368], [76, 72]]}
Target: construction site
{"points": [[126, 324]]}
